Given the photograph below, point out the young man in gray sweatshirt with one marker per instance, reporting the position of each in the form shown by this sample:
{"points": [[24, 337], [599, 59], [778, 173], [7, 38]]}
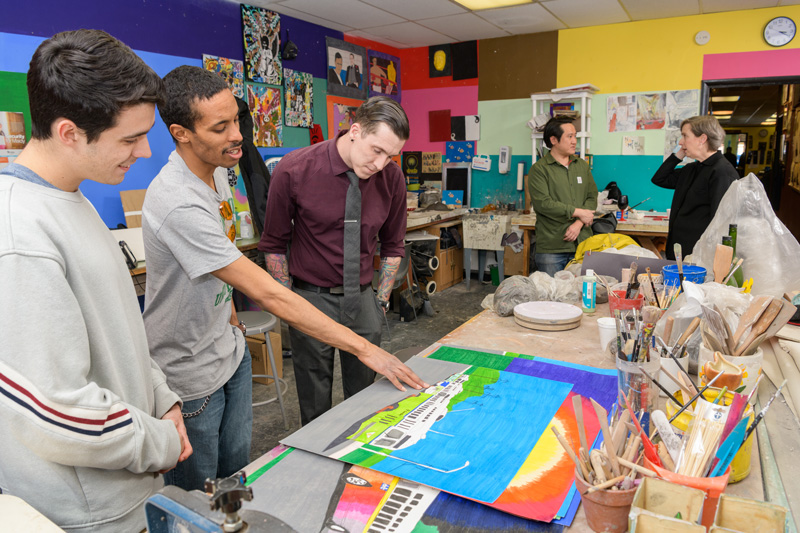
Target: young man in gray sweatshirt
{"points": [[87, 421]]}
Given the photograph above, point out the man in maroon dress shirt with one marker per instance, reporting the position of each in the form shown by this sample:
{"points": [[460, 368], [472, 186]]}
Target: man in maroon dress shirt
{"points": [[307, 202]]}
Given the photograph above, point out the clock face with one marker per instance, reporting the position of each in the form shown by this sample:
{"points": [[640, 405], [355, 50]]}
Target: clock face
{"points": [[779, 31]]}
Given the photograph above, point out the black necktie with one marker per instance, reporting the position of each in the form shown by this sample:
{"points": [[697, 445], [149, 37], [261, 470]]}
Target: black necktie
{"points": [[352, 249]]}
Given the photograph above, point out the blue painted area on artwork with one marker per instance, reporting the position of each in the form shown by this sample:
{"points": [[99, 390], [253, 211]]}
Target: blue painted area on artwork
{"points": [[633, 173], [589, 384], [495, 432], [464, 515]]}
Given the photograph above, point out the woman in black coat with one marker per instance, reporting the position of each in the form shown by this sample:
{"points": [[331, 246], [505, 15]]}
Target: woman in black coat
{"points": [[699, 186]]}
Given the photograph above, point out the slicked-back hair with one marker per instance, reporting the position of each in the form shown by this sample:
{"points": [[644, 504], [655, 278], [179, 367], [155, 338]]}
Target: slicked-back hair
{"points": [[553, 128], [88, 77], [709, 125], [382, 109], [185, 86]]}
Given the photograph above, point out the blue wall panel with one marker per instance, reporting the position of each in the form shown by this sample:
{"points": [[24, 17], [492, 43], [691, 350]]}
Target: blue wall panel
{"points": [[632, 173]]}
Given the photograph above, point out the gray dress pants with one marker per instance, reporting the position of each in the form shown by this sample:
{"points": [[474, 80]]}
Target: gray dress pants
{"points": [[313, 360]]}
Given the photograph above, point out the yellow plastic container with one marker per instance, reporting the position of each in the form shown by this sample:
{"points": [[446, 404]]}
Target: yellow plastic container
{"points": [[740, 466]]}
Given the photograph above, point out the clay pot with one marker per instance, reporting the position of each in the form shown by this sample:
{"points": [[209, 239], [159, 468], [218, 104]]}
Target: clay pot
{"points": [[732, 374], [606, 510]]}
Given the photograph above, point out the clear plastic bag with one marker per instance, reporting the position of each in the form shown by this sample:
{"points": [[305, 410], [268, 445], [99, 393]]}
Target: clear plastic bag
{"points": [[769, 250], [537, 287]]}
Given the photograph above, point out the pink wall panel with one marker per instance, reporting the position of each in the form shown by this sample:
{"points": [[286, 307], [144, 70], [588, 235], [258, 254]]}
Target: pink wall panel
{"points": [[417, 103], [762, 64]]}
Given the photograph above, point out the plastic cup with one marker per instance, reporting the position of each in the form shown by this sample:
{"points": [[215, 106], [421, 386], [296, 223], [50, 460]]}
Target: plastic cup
{"points": [[617, 300], [608, 331]]}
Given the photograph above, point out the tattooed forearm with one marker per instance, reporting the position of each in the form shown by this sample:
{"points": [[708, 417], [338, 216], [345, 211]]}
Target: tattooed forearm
{"points": [[389, 266], [278, 268]]}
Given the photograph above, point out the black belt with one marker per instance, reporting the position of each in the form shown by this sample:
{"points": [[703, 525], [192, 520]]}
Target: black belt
{"points": [[306, 286]]}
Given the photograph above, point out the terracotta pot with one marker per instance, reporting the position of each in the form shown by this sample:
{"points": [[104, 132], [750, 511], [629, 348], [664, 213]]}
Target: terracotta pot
{"points": [[606, 510]]}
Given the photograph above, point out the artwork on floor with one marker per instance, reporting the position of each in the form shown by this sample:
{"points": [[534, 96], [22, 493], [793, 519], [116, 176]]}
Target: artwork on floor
{"points": [[341, 113], [347, 67], [232, 72], [299, 96], [459, 151], [265, 108], [384, 75], [439, 61], [650, 111], [632, 145], [467, 434], [681, 105], [621, 112], [261, 30]]}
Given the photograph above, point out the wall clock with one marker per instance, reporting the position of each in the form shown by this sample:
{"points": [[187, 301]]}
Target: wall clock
{"points": [[763, 133], [779, 31], [702, 37]]}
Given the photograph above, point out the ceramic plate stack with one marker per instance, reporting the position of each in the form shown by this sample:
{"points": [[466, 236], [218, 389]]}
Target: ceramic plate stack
{"points": [[548, 316]]}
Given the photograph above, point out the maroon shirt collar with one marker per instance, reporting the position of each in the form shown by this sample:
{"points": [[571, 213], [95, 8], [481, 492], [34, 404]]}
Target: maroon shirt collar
{"points": [[338, 166]]}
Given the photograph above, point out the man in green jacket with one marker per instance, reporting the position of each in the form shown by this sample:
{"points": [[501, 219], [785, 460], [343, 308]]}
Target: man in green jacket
{"points": [[564, 197]]}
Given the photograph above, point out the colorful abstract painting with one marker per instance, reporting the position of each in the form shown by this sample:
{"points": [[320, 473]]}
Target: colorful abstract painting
{"points": [[232, 72], [384, 75], [650, 111], [265, 107], [467, 434], [261, 30], [526, 495], [341, 114], [299, 93]]}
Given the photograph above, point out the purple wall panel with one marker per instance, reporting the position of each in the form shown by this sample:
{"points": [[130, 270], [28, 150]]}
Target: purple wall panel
{"points": [[173, 27]]}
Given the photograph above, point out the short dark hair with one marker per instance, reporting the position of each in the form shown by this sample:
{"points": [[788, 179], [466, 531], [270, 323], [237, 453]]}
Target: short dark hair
{"points": [[553, 128], [88, 77], [337, 56], [184, 85], [382, 109]]}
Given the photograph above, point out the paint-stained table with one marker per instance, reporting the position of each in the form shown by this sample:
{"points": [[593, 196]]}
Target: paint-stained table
{"points": [[292, 495]]}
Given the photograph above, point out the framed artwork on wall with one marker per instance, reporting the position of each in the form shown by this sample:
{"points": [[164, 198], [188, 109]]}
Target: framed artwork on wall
{"points": [[261, 30], [347, 67], [341, 112], [299, 95], [265, 108], [230, 70], [384, 75]]}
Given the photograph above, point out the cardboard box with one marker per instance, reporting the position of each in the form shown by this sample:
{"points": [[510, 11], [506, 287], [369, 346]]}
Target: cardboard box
{"points": [[513, 262], [258, 351]]}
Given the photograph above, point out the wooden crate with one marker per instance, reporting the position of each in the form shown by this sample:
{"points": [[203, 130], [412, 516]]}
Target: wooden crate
{"points": [[258, 351]]}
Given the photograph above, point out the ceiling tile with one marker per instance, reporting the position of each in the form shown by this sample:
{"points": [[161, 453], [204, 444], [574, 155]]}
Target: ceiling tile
{"points": [[379, 39], [715, 6], [410, 33], [659, 9], [419, 9], [309, 18], [466, 27], [788, 2], [528, 18], [577, 13], [352, 13]]}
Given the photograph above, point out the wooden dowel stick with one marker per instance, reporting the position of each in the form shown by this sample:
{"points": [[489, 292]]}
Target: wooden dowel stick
{"points": [[607, 484], [602, 416], [571, 453]]}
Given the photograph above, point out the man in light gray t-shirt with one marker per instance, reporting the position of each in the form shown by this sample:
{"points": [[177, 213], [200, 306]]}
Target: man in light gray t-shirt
{"points": [[191, 267]]}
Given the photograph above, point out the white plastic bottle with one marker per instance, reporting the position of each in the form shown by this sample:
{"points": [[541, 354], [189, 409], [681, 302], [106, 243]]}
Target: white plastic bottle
{"points": [[589, 292]]}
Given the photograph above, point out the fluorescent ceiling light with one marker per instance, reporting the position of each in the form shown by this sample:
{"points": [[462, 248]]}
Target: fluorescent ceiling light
{"points": [[477, 5], [768, 123], [723, 118], [725, 98], [721, 112]]}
